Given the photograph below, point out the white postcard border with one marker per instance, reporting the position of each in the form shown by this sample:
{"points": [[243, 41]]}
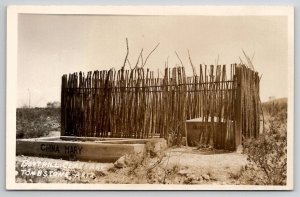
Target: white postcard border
{"points": [[11, 87]]}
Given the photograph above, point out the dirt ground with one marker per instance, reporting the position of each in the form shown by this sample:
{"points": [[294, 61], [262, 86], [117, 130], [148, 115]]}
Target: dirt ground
{"points": [[221, 166], [176, 166]]}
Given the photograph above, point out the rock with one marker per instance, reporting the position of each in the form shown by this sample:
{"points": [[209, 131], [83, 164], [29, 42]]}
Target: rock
{"points": [[183, 172], [187, 181], [120, 163], [195, 182], [255, 167], [20, 180], [101, 173], [85, 181], [239, 149], [206, 177], [192, 176], [167, 181], [176, 180]]}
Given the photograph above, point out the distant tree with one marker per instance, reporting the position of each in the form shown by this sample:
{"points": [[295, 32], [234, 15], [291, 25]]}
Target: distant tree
{"points": [[271, 98], [54, 104]]}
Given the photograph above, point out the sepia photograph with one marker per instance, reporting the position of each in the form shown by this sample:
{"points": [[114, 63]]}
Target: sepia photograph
{"points": [[150, 97]]}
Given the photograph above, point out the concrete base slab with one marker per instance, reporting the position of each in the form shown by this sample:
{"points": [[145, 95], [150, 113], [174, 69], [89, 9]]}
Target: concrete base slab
{"points": [[87, 149]]}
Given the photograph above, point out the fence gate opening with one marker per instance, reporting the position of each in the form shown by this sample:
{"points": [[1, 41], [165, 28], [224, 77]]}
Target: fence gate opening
{"points": [[137, 104]]}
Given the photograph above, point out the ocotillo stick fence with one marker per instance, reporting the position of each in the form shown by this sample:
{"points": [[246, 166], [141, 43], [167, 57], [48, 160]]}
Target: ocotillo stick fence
{"points": [[136, 104]]}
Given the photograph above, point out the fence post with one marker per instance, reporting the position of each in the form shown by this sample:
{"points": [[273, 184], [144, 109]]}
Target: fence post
{"points": [[238, 107], [62, 106]]}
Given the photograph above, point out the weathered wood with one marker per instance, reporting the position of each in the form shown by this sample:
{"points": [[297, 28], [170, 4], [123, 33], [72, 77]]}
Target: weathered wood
{"points": [[238, 106], [137, 104]]}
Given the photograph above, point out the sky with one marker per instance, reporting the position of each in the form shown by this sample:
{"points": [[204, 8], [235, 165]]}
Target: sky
{"points": [[52, 45]]}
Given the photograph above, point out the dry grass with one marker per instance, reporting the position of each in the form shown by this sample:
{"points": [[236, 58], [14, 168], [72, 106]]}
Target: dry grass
{"points": [[37, 122]]}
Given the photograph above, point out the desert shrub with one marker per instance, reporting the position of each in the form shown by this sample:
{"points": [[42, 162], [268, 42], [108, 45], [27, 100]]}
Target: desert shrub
{"points": [[276, 109], [147, 168], [267, 155], [36, 122]]}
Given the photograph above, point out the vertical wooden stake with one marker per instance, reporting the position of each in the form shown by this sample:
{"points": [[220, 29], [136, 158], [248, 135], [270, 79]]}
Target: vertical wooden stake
{"points": [[63, 104], [238, 111]]}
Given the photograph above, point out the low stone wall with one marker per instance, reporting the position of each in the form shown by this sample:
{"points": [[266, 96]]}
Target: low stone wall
{"points": [[87, 149]]}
